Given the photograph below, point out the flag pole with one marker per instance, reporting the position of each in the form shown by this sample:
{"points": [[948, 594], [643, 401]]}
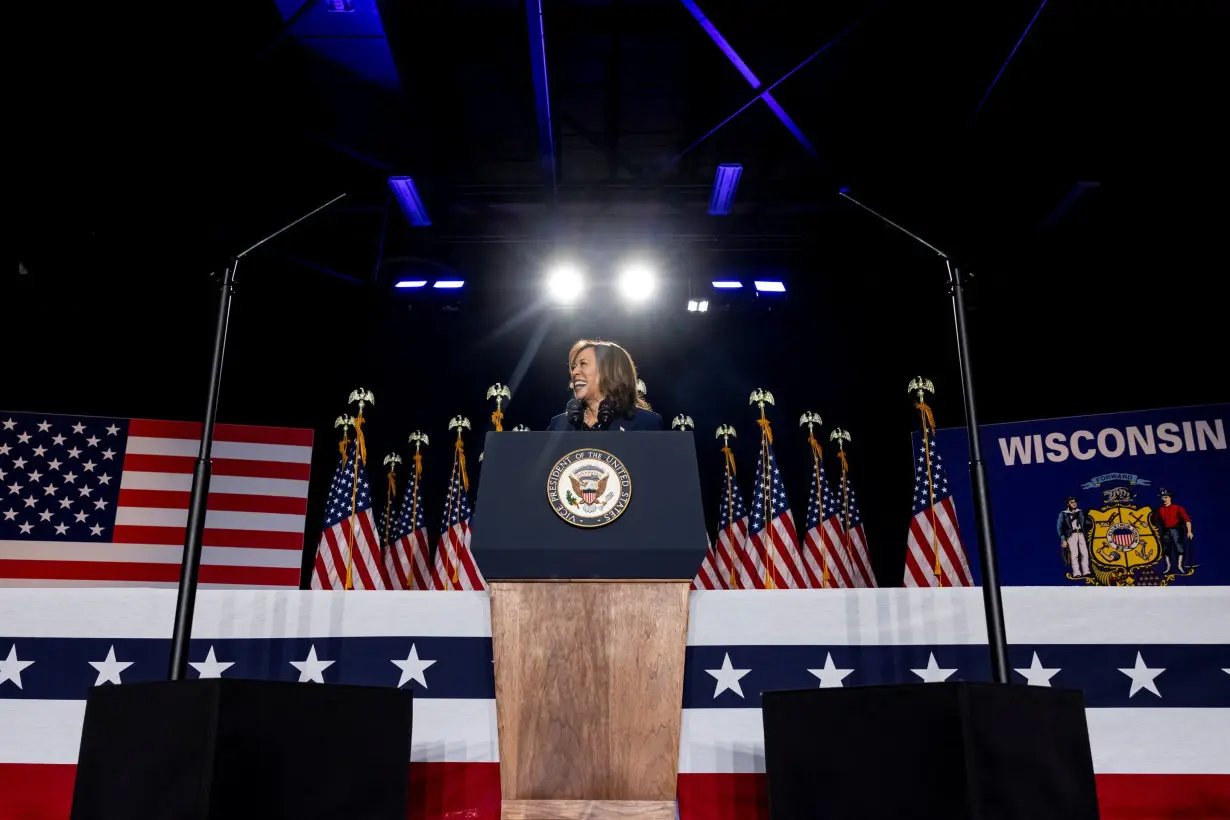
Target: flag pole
{"points": [[992, 600], [190, 565]]}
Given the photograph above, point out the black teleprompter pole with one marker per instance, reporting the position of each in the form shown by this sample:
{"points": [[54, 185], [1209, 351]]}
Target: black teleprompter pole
{"points": [[992, 600], [190, 567]]}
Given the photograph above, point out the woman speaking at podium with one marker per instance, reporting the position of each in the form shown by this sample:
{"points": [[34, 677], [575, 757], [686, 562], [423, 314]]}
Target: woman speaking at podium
{"points": [[602, 378]]}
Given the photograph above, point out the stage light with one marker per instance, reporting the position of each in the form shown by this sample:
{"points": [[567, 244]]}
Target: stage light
{"points": [[451, 284], [408, 198], [637, 282], [339, 5], [770, 287], [727, 284], [702, 305], [411, 283], [693, 305], [564, 283], [725, 183]]}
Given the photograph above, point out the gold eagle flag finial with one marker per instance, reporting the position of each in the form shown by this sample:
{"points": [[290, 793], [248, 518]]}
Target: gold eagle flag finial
{"points": [[923, 386], [345, 422], [760, 397], [419, 439], [683, 422], [812, 420], [918, 384], [501, 393]]}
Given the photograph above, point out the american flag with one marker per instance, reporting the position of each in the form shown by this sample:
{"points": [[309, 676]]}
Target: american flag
{"points": [[92, 501], [730, 565], [934, 525], [709, 576], [849, 523], [845, 553], [454, 567], [335, 556], [409, 556], [774, 556]]}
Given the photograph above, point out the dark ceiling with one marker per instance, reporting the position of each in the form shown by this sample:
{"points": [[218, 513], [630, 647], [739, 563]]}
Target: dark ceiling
{"points": [[186, 132]]}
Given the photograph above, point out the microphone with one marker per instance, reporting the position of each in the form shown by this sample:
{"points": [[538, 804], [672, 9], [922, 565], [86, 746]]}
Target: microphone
{"points": [[575, 411], [605, 414]]}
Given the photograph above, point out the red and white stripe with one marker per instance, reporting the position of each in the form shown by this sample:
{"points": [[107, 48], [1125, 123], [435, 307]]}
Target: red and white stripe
{"points": [[824, 553], [849, 549], [454, 753], [454, 568], [946, 536], [713, 573], [254, 524], [409, 558], [397, 565], [775, 554]]}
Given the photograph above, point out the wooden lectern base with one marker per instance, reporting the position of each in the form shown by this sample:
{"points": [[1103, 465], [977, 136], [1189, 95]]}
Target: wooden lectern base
{"points": [[588, 683], [588, 810]]}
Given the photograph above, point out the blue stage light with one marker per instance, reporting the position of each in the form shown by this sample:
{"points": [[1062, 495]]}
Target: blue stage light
{"points": [[449, 283], [725, 184], [411, 283], [763, 286], [408, 198], [727, 284]]}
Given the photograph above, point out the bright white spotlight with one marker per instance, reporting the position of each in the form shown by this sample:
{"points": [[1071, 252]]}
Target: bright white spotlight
{"points": [[637, 283], [693, 306], [564, 283], [703, 305]]}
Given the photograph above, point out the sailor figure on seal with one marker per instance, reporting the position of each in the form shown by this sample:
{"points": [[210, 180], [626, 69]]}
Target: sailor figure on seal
{"points": [[1071, 527]]}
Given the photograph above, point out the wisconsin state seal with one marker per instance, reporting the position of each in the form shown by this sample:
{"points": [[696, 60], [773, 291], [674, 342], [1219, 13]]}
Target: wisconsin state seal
{"points": [[589, 488]]}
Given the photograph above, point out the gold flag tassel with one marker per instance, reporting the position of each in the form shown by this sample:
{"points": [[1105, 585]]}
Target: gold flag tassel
{"points": [[725, 432], [363, 397], [459, 463], [841, 437], [499, 392], [419, 438], [923, 386], [392, 459], [760, 398], [811, 420]]}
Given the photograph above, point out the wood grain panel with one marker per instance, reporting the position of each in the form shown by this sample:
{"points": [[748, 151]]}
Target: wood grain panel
{"points": [[589, 681], [588, 810]]}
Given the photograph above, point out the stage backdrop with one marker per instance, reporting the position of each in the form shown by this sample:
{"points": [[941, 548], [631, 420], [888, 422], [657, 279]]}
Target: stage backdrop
{"points": [[1115, 465]]}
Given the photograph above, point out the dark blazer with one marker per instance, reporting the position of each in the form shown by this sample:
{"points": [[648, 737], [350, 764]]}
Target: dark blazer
{"points": [[641, 420]]}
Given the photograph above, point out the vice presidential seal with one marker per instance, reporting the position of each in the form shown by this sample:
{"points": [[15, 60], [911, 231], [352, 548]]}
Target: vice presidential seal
{"points": [[589, 488]]}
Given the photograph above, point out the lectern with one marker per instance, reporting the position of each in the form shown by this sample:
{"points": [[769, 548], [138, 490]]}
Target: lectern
{"points": [[589, 542]]}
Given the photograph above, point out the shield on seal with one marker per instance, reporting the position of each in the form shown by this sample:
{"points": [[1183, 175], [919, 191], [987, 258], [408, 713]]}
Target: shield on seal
{"points": [[1123, 536]]}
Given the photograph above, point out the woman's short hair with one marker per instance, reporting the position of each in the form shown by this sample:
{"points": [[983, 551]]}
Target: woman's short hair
{"points": [[616, 374]]}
